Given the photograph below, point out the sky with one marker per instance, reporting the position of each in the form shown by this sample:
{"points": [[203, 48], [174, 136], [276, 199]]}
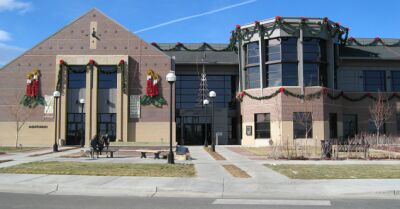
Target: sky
{"points": [[25, 23]]}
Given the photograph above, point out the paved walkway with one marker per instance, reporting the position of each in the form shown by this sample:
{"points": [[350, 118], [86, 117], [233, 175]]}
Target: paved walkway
{"points": [[212, 180]]}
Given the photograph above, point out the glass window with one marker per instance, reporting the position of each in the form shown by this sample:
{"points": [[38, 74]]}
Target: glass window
{"points": [[395, 80], [332, 125], [289, 74], [373, 130], [350, 125], [252, 77], [107, 77], [311, 74], [398, 122], [77, 77], [302, 125], [273, 49], [253, 53], [274, 76], [289, 49], [374, 80], [311, 49], [262, 125]]}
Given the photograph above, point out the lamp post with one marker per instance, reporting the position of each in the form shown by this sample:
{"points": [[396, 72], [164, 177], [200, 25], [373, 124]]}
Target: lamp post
{"points": [[171, 78], [82, 103], [56, 95], [205, 103], [212, 95]]}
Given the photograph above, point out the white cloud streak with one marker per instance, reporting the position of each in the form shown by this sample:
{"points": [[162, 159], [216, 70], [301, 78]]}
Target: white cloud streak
{"points": [[195, 16], [15, 5], [8, 53], [4, 36]]}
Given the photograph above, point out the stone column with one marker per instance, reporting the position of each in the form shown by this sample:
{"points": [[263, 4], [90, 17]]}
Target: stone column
{"points": [[300, 66]]}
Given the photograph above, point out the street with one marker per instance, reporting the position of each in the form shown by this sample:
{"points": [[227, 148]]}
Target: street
{"points": [[31, 201]]}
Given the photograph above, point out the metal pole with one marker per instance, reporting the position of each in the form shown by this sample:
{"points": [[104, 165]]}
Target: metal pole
{"points": [[212, 126], [206, 124], [82, 126], [55, 146], [171, 154]]}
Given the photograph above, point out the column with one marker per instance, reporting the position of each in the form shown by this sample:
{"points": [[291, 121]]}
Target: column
{"points": [[300, 66]]}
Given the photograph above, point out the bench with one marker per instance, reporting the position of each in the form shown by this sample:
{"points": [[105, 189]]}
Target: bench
{"points": [[111, 152], [155, 152]]}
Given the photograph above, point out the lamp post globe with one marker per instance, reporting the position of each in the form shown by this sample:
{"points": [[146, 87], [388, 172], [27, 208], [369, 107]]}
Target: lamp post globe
{"points": [[171, 78], [82, 142], [212, 95], [56, 95], [205, 103]]}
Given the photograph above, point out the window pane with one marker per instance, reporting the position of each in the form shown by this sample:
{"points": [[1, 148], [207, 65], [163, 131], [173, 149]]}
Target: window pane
{"points": [[107, 77], [253, 53], [289, 49], [253, 77], [398, 122], [311, 74], [350, 126], [262, 125], [311, 49], [395, 80], [77, 77], [273, 75], [302, 124], [289, 74], [374, 80]]}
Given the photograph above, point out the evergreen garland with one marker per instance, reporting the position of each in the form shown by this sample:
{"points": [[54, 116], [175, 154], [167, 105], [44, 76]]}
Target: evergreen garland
{"points": [[375, 42], [314, 95]]}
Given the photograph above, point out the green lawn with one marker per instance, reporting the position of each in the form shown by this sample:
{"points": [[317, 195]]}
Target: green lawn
{"points": [[338, 171], [103, 169], [14, 149]]}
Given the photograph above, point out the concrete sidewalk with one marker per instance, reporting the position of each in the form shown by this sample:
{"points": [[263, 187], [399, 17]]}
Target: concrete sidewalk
{"points": [[211, 181]]}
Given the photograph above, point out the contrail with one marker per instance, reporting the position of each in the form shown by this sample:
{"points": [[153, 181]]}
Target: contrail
{"points": [[194, 16]]}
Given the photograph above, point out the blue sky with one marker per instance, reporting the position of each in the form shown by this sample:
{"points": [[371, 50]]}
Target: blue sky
{"points": [[24, 23]]}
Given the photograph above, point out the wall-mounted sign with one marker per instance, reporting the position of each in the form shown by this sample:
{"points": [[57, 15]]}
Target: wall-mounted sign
{"points": [[249, 130], [134, 106]]}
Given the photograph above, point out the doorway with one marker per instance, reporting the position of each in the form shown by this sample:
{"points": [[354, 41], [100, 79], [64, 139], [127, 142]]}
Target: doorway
{"points": [[75, 128]]}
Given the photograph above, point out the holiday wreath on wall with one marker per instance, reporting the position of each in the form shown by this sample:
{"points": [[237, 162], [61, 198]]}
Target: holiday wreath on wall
{"points": [[32, 96], [152, 90]]}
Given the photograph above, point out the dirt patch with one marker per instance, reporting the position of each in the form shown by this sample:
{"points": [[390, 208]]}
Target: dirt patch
{"points": [[236, 171], [215, 155]]}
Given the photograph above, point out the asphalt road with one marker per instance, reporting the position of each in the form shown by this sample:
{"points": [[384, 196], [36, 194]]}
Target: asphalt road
{"points": [[31, 201]]}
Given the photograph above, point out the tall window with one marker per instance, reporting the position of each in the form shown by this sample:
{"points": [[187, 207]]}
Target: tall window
{"points": [[302, 125], [332, 125], [281, 62], [262, 125], [373, 130], [398, 122], [315, 59], [395, 80], [350, 125], [252, 65], [374, 80]]}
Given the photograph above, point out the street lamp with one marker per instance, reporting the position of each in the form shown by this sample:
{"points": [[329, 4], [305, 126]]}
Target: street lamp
{"points": [[205, 103], [171, 78], [82, 103], [212, 95], [56, 95]]}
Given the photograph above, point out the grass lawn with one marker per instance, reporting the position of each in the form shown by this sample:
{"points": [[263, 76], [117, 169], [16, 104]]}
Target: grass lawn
{"points": [[338, 171], [14, 149], [103, 169]]}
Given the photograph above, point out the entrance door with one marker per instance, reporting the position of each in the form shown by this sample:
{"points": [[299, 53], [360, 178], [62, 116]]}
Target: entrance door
{"points": [[194, 134], [106, 124], [75, 128]]}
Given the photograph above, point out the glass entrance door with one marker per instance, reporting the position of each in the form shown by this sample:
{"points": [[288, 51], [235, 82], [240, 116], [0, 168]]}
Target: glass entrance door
{"points": [[75, 128], [194, 134], [106, 124]]}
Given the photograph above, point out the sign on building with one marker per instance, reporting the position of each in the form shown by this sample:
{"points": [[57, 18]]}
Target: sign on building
{"points": [[48, 108], [134, 106]]}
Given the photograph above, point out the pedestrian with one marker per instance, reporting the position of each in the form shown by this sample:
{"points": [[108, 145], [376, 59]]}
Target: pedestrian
{"points": [[94, 146]]}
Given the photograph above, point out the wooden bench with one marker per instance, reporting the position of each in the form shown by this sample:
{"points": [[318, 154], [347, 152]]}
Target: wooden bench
{"points": [[111, 152], [156, 153]]}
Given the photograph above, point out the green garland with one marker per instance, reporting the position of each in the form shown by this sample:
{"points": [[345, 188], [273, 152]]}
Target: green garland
{"points": [[375, 42], [179, 46], [157, 101], [121, 67], [314, 95]]}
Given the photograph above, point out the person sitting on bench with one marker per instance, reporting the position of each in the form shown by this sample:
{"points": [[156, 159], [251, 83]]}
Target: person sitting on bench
{"points": [[94, 146]]}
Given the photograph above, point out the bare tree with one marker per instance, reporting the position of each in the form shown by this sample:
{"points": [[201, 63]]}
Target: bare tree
{"points": [[380, 112], [20, 115]]}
